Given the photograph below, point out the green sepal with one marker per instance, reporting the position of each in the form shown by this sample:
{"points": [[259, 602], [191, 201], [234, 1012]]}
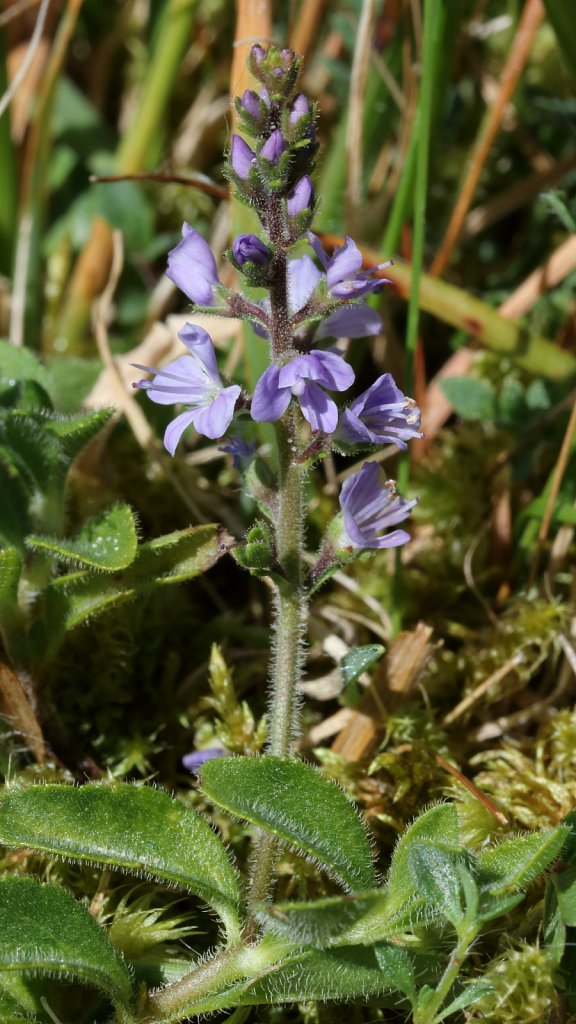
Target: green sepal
{"points": [[515, 863], [129, 828], [291, 800], [43, 929], [108, 542]]}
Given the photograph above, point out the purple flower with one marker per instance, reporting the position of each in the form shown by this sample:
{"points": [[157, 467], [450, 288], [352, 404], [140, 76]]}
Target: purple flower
{"points": [[249, 249], [242, 157], [301, 197], [194, 381], [353, 322], [299, 108], [273, 147], [344, 275], [192, 267], [380, 415], [194, 761], [303, 376], [357, 321], [368, 509]]}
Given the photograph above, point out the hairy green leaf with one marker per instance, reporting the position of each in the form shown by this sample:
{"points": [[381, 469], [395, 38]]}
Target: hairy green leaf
{"points": [[323, 922], [515, 863], [437, 826], [438, 876], [20, 364], [44, 929], [474, 991], [293, 801], [131, 828], [107, 542], [73, 599]]}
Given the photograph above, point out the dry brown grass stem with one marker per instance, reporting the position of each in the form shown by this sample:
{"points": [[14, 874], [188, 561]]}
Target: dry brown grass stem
{"points": [[305, 32], [354, 126], [29, 56], [18, 711], [530, 20], [472, 698], [253, 25]]}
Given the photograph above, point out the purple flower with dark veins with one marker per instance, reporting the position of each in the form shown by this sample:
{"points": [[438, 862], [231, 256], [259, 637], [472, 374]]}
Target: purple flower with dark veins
{"points": [[380, 415], [250, 249], [192, 380], [304, 377], [192, 267], [368, 509], [242, 157], [344, 275]]}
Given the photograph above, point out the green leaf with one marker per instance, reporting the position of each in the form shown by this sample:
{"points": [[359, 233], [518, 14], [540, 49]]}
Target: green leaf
{"points": [[20, 364], [107, 542], [293, 801], [472, 399], [44, 929], [131, 828], [358, 661], [346, 973], [474, 991], [438, 825], [74, 432], [439, 877], [491, 906], [10, 572], [565, 886], [515, 863], [72, 600], [323, 922], [561, 15]]}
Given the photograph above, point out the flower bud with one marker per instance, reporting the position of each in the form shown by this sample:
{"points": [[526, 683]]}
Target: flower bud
{"points": [[242, 157], [250, 102], [250, 249], [273, 147], [301, 197], [300, 107]]}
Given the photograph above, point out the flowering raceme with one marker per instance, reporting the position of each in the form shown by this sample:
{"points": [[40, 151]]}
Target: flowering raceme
{"points": [[310, 298]]}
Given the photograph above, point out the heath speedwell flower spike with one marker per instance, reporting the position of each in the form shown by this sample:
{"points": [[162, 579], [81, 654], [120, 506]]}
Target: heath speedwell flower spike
{"points": [[368, 509], [380, 415], [192, 380]]}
